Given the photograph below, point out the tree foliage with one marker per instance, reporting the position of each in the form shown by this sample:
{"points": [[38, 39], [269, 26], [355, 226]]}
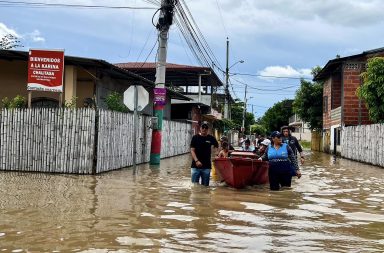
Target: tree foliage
{"points": [[16, 102], [236, 120], [372, 90], [277, 116], [237, 116], [258, 129], [114, 102], [9, 41], [224, 125], [308, 104]]}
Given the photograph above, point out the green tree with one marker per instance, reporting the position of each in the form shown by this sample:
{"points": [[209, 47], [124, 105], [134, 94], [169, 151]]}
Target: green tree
{"points": [[224, 125], [258, 129], [308, 102], [372, 90], [237, 116], [9, 41], [277, 116]]}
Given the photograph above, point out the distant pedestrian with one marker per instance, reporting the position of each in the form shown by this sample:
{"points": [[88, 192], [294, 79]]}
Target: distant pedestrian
{"points": [[292, 142], [225, 139], [224, 153], [262, 148], [247, 145], [201, 148], [282, 163]]}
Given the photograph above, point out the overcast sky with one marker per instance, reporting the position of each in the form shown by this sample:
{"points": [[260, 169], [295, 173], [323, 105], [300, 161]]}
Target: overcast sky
{"points": [[274, 37]]}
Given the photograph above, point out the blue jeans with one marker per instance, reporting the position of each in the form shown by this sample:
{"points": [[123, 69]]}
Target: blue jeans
{"points": [[204, 174]]}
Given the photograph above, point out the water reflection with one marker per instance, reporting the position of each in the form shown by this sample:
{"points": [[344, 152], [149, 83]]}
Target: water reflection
{"points": [[337, 206]]}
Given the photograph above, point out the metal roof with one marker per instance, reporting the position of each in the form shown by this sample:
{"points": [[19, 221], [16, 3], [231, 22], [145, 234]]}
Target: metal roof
{"points": [[101, 65], [334, 64], [176, 74]]}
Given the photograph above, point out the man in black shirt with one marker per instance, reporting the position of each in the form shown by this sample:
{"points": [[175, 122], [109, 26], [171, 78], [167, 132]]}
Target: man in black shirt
{"points": [[201, 146], [292, 142]]}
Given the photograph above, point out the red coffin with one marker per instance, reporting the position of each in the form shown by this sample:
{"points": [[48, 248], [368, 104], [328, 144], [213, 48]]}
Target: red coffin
{"points": [[239, 172]]}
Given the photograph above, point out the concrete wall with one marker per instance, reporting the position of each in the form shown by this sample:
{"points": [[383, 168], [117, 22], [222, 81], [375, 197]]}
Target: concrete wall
{"points": [[14, 76], [303, 136]]}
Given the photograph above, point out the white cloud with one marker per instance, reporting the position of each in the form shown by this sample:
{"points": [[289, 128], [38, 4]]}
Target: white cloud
{"points": [[284, 71], [34, 36], [4, 30]]}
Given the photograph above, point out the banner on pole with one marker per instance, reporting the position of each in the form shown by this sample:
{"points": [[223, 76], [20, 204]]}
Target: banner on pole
{"points": [[45, 70], [160, 96]]}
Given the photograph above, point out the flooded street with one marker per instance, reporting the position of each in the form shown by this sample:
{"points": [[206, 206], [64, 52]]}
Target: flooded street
{"points": [[337, 206]]}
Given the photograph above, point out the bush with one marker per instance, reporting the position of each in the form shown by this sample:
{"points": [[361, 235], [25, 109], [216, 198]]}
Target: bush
{"points": [[71, 104], [114, 102], [16, 102]]}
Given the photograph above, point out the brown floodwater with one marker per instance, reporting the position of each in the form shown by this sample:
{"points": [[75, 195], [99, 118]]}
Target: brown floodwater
{"points": [[337, 206]]}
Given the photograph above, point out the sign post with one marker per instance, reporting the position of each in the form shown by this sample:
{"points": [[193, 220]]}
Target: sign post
{"points": [[45, 71], [140, 98]]}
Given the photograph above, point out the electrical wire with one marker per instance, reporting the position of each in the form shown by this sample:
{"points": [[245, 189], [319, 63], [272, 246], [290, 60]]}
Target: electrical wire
{"points": [[221, 17], [44, 5], [149, 54], [255, 88], [284, 77]]}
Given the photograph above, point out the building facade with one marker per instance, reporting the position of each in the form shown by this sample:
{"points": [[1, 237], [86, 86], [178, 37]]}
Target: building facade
{"points": [[341, 105]]}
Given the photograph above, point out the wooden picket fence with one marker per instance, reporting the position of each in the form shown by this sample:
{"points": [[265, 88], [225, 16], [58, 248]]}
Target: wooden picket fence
{"points": [[80, 141], [364, 143]]}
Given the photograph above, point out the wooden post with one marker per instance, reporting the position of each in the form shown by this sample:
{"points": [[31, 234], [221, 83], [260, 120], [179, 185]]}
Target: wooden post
{"points": [[60, 100], [29, 99]]}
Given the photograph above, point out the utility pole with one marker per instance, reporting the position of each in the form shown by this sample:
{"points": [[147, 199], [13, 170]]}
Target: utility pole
{"points": [[163, 24], [250, 126], [245, 108], [226, 106]]}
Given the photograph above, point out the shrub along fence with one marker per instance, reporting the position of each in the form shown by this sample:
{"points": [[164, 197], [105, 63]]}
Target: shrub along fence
{"points": [[364, 143], [81, 141]]}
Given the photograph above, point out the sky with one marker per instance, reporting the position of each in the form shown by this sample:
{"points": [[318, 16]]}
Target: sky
{"points": [[274, 38]]}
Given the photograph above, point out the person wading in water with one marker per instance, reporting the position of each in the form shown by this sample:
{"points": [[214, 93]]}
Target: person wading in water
{"points": [[282, 163], [201, 146]]}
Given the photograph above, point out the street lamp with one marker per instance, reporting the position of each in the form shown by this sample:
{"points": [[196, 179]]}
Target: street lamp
{"points": [[241, 61]]}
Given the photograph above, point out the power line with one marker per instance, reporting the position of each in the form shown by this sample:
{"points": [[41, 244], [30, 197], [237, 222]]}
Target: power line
{"points": [[221, 17], [149, 54], [45, 5], [145, 44], [255, 88], [283, 77]]}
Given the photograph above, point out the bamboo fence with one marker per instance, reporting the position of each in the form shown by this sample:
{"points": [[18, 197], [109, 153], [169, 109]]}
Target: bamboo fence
{"points": [[81, 141], [47, 140], [364, 143]]}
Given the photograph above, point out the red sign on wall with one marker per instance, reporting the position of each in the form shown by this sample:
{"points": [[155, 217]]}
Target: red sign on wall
{"points": [[45, 70]]}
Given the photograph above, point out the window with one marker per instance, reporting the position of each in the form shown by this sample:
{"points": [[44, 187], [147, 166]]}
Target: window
{"points": [[325, 104]]}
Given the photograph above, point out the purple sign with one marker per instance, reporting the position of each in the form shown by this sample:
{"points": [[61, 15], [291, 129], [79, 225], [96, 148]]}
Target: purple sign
{"points": [[160, 96]]}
